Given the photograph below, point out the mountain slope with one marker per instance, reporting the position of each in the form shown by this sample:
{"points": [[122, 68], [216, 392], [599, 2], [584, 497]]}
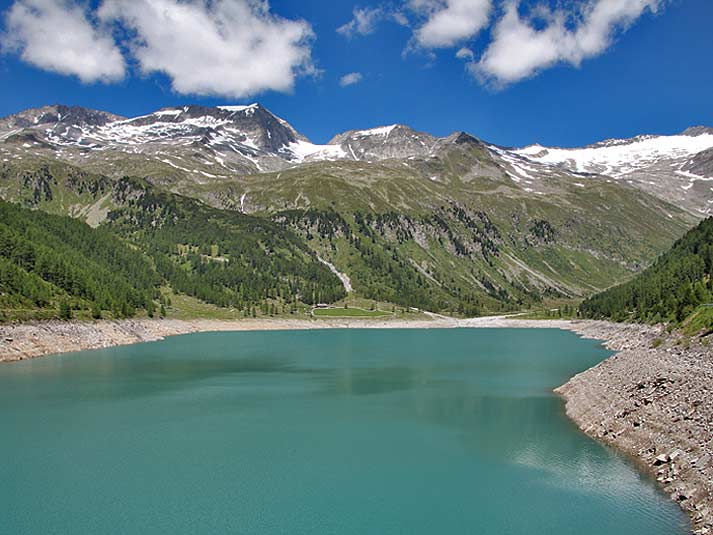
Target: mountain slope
{"points": [[671, 167], [398, 236], [46, 260], [450, 224], [670, 290], [221, 257], [149, 238]]}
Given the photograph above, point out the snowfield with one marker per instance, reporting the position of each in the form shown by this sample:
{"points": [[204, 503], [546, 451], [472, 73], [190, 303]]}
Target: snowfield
{"points": [[620, 157]]}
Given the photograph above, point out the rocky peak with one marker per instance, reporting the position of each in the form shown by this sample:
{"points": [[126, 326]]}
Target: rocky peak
{"points": [[253, 125], [57, 115], [462, 138], [695, 131], [394, 141]]}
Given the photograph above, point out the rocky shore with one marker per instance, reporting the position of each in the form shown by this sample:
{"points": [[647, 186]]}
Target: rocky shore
{"points": [[652, 400]]}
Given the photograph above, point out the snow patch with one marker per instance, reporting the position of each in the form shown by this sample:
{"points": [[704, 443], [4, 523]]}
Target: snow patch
{"points": [[301, 150], [692, 176], [168, 112], [380, 131], [238, 108]]}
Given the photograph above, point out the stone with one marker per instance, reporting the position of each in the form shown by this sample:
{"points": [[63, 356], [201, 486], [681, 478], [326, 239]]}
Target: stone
{"points": [[662, 459]]}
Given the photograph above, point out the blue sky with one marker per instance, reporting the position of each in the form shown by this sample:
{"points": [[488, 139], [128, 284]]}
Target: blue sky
{"points": [[568, 74]]}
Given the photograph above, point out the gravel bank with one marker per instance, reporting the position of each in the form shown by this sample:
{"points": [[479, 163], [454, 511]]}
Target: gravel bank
{"points": [[656, 405], [32, 340], [653, 403]]}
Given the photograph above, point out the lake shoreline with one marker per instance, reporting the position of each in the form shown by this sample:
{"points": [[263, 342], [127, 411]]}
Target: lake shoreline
{"points": [[652, 403], [30, 340]]}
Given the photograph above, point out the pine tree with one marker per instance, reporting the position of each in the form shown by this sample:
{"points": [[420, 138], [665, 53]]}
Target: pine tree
{"points": [[65, 310]]}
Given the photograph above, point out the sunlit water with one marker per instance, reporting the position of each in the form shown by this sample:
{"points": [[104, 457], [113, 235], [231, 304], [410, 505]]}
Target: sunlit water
{"points": [[324, 432]]}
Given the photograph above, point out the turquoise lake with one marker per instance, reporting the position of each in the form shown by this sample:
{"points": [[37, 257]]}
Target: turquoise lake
{"points": [[315, 432]]}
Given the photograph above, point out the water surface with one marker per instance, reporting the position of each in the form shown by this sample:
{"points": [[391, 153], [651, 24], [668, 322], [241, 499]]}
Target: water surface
{"points": [[320, 432]]}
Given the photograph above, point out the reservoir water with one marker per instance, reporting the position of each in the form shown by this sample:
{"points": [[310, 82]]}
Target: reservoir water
{"points": [[315, 432]]}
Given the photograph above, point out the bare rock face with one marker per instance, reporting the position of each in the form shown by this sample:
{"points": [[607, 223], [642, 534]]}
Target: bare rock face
{"points": [[395, 141], [656, 404], [701, 164], [56, 117]]}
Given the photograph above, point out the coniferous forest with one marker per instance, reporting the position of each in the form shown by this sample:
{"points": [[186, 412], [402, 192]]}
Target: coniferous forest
{"points": [[57, 266], [59, 263], [670, 290]]}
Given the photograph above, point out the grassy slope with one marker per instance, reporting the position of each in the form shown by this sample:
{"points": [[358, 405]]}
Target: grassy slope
{"points": [[602, 233], [349, 313]]}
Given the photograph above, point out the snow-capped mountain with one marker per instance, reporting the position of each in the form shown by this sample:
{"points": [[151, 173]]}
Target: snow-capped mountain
{"points": [[247, 137], [621, 157], [674, 168], [207, 142], [203, 145]]}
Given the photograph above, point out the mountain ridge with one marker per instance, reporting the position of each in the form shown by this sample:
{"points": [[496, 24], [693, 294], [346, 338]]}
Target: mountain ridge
{"points": [[198, 144], [452, 224]]}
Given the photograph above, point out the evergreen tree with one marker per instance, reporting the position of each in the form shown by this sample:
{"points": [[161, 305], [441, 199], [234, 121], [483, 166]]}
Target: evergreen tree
{"points": [[65, 310]]}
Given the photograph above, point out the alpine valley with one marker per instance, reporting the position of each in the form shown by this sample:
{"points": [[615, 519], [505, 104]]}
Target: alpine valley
{"points": [[233, 207]]}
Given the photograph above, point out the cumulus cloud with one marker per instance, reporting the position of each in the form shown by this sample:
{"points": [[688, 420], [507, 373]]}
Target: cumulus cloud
{"points": [[363, 22], [449, 22], [232, 48], [350, 79], [520, 48], [58, 36]]}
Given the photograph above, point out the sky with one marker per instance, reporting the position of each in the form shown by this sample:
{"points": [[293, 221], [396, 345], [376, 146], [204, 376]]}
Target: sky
{"points": [[512, 72]]}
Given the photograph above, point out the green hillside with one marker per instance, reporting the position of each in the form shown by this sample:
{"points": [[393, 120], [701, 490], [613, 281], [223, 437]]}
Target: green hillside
{"points": [[51, 264], [464, 243], [58, 266], [677, 286], [221, 257]]}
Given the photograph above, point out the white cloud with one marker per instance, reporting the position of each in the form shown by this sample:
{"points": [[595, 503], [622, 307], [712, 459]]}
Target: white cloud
{"points": [[400, 18], [449, 22], [363, 23], [519, 49], [232, 48], [465, 53], [351, 79], [58, 36]]}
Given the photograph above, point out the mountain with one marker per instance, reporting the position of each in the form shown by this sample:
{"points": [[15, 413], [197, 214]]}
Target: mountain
{"points": [[671, 290], [675, 168], [452, 224], [55, 120], [183, 146]]}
